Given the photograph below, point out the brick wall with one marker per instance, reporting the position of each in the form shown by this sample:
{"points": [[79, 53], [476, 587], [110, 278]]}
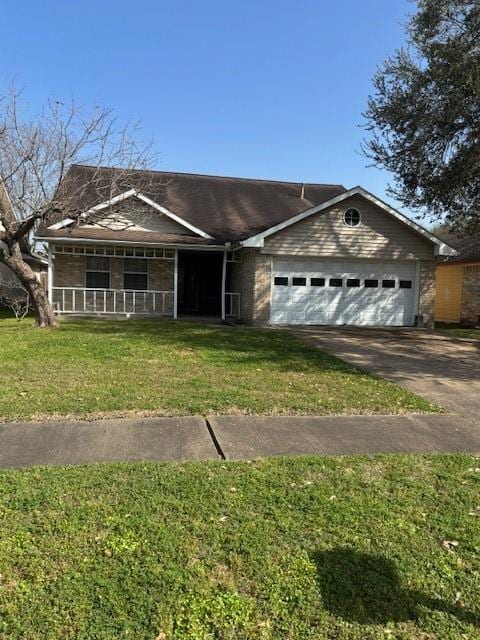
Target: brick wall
{"points": [[263, 284], [68, 271], [470, 308], [116, 273], [160, 275], [427, 292], [251, 277]]}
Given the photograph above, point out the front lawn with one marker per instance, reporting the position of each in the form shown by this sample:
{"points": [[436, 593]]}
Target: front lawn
{"points": [[358, 548], [456, 331], [98, 367]]}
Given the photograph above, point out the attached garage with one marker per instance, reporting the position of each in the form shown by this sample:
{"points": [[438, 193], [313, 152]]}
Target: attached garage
{"points": [[352, 260], [368, 293]]}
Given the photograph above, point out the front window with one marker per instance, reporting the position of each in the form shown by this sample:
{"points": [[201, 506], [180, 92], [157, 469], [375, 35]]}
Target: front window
{"points": [[97, 274], [135, 274]]}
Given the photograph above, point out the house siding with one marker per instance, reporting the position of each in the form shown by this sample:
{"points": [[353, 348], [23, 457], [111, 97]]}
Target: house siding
{"points": [[448, 300], [458, 293], [379, 236], [137, 216]]}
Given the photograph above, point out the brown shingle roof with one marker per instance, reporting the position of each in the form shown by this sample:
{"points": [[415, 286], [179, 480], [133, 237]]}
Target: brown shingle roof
{"points": [[127, 235], [228, 209]]}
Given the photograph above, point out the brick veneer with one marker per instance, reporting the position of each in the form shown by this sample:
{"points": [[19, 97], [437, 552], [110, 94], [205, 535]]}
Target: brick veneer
{"points": [[68, 271], [251, 277], [470, 309], [427, 292]]}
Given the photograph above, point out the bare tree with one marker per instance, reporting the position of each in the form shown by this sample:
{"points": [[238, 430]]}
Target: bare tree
{"points": [[36, 153], [14, 297]]}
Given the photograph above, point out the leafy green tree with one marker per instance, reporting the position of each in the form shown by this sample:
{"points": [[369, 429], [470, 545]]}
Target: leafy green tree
{"points": [[423, 119]]}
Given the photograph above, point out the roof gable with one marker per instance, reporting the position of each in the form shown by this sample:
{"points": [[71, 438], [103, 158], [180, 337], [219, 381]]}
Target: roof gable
{"points": [[441, 248], [116, 219]]}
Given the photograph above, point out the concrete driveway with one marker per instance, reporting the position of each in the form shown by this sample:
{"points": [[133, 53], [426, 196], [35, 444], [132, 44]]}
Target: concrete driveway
{"points": [[444, 370]]}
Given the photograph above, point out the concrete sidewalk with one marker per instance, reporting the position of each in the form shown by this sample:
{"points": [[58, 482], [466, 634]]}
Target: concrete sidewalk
{"points": [[232, 438], [26, 444], [252, 437]]}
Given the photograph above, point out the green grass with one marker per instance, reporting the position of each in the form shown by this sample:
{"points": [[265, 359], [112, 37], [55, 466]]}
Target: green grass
{"points": [[382, 547], [98, 367], [456, 331]]}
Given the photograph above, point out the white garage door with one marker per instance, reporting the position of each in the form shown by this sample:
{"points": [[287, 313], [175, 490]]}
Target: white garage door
{"points": [[308, 291]]}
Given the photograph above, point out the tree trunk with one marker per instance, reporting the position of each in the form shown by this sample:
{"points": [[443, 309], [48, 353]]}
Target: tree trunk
{"points": [[43, 309]]}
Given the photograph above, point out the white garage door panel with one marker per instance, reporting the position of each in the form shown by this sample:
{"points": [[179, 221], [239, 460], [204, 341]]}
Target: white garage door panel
{"points": [[351, 305]]}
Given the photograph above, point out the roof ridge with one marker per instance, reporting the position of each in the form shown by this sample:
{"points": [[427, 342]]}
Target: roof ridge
{"points": [[208, 175]]}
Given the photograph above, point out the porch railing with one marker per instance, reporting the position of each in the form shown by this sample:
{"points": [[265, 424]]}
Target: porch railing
{"points": [[232, 305], [123, 301]]}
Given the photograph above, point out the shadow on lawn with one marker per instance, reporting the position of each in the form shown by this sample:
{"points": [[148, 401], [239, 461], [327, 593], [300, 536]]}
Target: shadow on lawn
{"points": [[249, 345], [366, 589]]}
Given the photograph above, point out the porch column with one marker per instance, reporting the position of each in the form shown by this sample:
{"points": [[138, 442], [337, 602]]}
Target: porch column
{"points": [[50, 275], [175, 285], [224, 277]]}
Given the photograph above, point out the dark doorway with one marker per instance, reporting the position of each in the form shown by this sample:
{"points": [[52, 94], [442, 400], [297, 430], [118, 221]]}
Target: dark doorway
{"points": [[200, 283]]}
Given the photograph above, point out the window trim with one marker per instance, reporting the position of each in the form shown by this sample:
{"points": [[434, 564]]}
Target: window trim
{"points": [[352, 226], [87, 270]]}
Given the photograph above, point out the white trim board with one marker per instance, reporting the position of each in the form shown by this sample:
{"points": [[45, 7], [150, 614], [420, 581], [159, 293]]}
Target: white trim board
{"points": [[133, 193], [121, 243], [442, 249]]}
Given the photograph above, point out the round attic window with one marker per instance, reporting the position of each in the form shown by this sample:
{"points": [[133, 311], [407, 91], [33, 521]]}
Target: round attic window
{"points": [[352, 217]]}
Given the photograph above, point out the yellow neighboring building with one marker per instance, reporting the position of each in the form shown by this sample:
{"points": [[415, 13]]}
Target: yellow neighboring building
{"points": [[458, 284]]}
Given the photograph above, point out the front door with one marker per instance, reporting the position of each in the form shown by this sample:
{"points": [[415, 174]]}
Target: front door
{"points": [[200, 282], [188, 290]]}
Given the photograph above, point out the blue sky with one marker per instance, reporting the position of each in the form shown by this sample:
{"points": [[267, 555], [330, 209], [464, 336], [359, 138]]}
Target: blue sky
{"points": [[267, 89]]}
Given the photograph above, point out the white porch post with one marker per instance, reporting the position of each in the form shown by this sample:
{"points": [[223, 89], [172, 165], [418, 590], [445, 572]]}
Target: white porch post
{"points": [[224, 277], [175, 285], [50, 275]]}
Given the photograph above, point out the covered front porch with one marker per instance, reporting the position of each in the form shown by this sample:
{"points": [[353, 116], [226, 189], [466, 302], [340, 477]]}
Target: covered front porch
{"points": [[110, 279]]}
